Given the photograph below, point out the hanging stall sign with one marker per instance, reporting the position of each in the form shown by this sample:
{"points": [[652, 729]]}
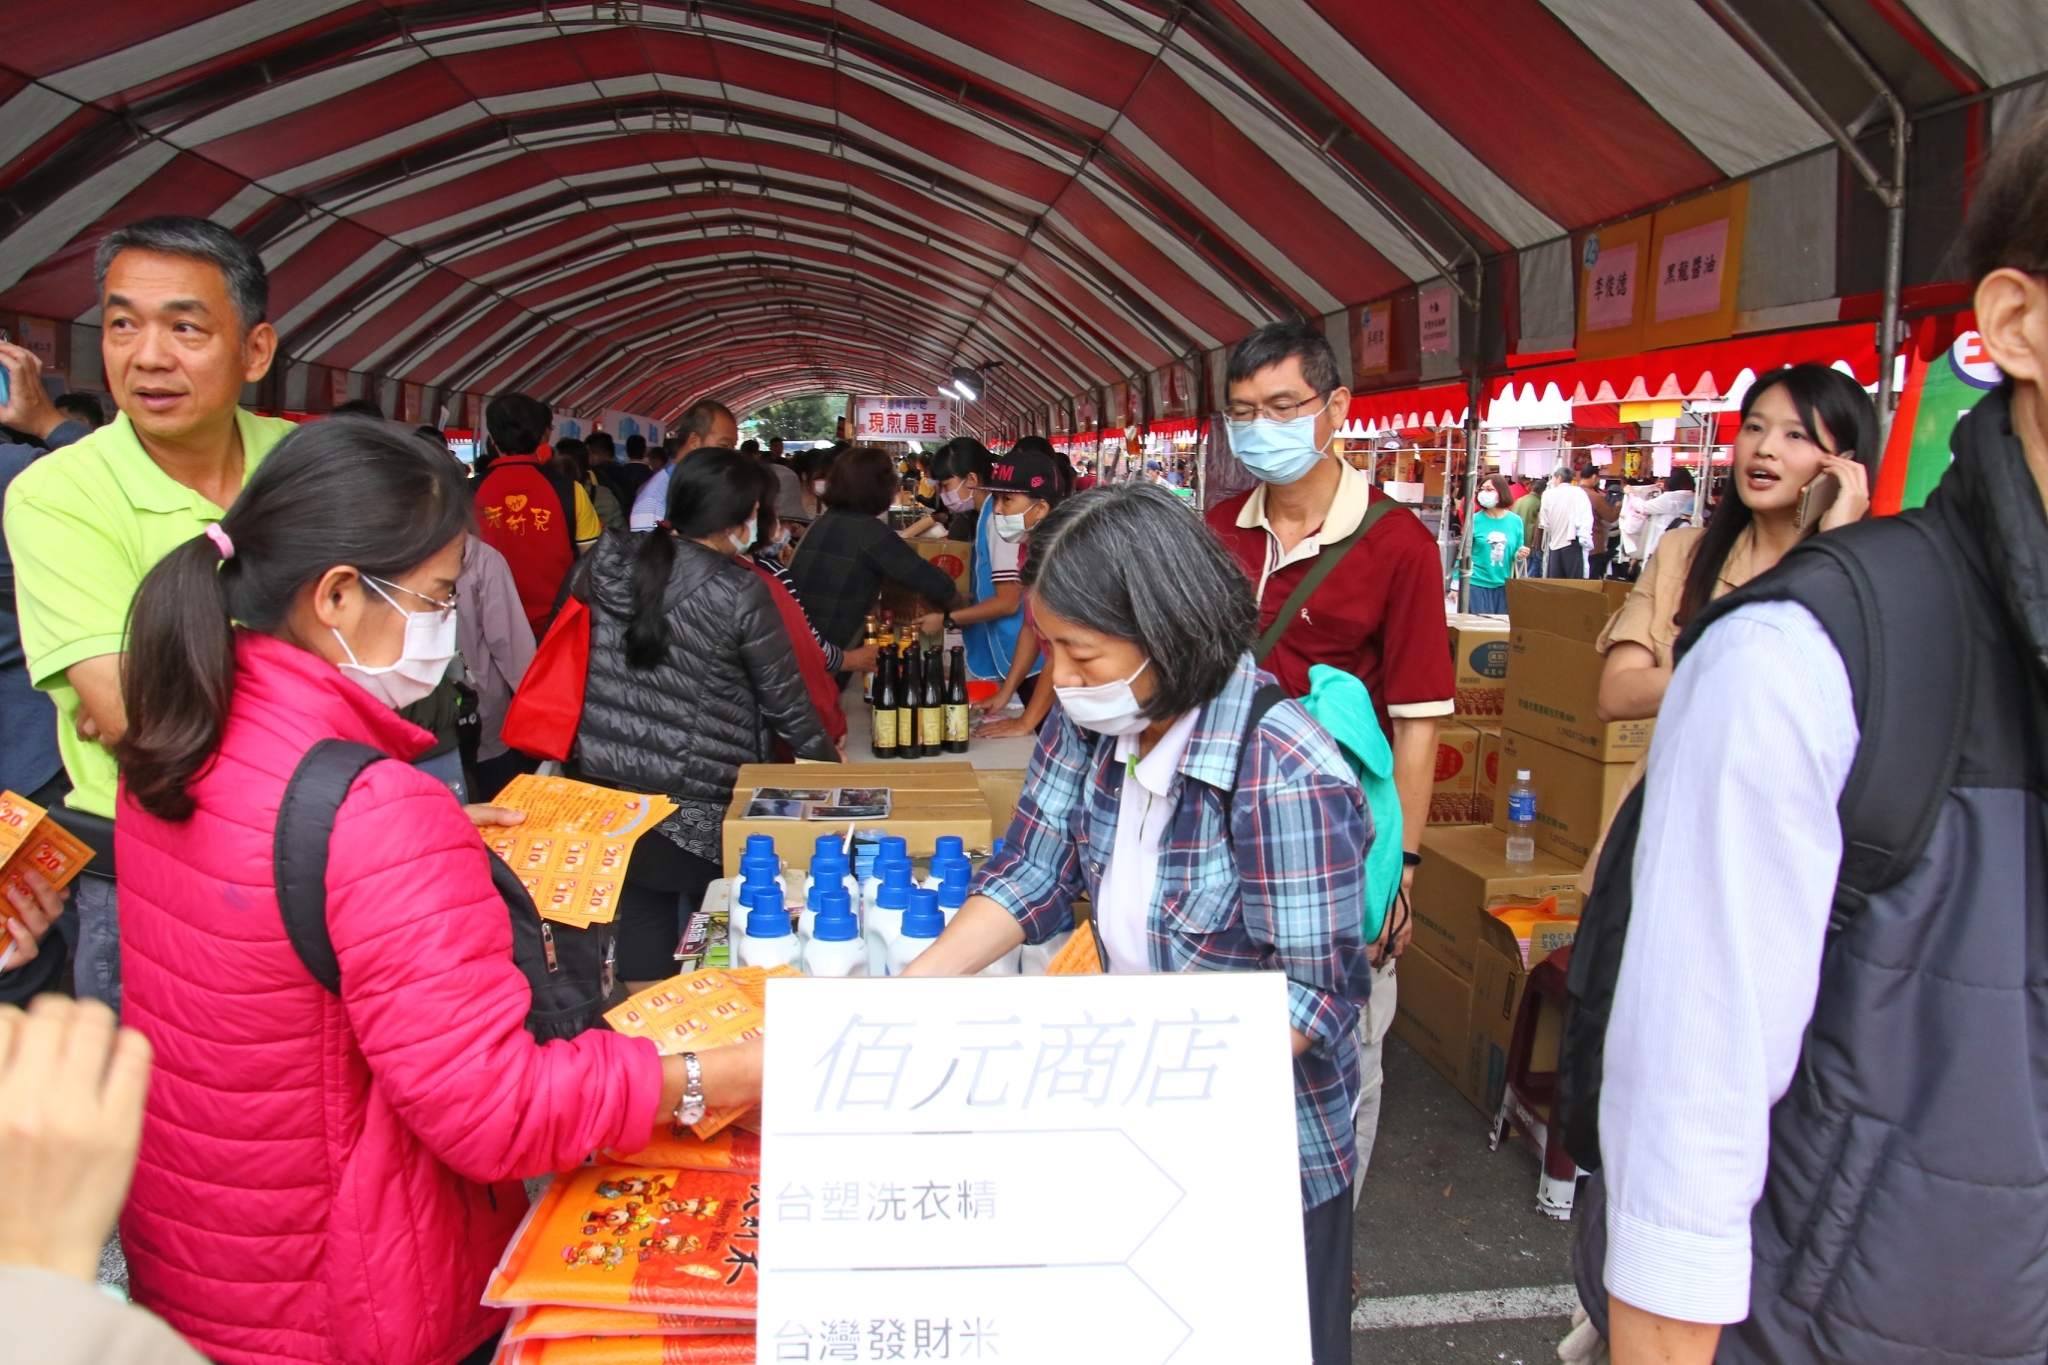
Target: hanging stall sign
{"points": [[1371, 326], [622, 424], [1436, 312], [917, 418], [1611, 288], [38, 336], [569, 427], [1694, 265], [1031, 1169]]}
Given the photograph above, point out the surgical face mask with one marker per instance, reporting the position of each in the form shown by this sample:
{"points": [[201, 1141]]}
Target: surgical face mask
{"points": [[818, 487], [1109, 708], [421, 664], [1010, 527], [957, 500], [1277, 452], [777, 545], [744, 539], [1488, 498]]}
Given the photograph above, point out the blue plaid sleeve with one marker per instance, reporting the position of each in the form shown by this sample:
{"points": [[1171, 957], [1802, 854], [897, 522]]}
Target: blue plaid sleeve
{"points": [[1038, 872], [1301, 840]]}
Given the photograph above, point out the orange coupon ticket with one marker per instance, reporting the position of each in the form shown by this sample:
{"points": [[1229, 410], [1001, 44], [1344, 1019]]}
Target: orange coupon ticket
{"points": [[30, 839], [573, 847], [626, 1237], [691, 1013]]}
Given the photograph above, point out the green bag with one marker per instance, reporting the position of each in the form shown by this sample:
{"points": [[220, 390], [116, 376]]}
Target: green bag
{"points": [[1340, 703]]}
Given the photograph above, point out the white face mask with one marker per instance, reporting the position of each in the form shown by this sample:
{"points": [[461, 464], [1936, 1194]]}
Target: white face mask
{"points": [[1109, 708], [1010, 527], [957, 500], [1488, 498], [744, 539], [421, 664], [818, 487]]}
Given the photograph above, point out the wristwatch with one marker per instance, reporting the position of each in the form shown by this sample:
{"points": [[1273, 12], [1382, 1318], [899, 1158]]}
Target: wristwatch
{"points": [[949, 622], [690, 1108]]}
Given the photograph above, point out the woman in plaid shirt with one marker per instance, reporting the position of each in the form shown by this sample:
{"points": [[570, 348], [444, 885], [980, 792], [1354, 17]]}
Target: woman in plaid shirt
{"points": [[1202, 847]]}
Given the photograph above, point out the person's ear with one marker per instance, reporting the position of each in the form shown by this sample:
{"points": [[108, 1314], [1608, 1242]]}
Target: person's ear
{"points": [[337, 597], [259, 348], [2012, 323], [1339, 404]]}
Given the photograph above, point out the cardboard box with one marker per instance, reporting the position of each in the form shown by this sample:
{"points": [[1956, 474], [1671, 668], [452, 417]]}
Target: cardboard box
{"points": [[1465, 872], [1575, 608], [1575, 795], [926, 800], [1457, 771], [952, 557], [1433, 1013], [1479, 663], [1553, 693], [1497, 982], [1001, 787], [1488, 776]]}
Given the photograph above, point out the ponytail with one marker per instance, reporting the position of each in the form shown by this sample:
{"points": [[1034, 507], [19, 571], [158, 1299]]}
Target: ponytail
{"points": [[711, 488], [360, 494], [181, 638], [646, 632]]}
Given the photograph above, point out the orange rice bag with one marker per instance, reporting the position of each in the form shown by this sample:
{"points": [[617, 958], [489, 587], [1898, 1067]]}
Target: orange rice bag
{"points": [[735, 1149], [557, 1320], [629, 1237], [695, 1350], [1076, 956]]}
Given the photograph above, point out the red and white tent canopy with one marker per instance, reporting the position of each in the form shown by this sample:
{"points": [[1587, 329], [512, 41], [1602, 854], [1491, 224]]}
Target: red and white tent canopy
{"points": [[633, 203]]}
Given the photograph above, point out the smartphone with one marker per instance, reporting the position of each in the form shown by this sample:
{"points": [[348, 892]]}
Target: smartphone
{"points": [[1815, 499]]}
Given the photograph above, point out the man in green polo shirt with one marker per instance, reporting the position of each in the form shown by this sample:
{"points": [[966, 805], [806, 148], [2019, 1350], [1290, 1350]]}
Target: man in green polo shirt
{"points": [[182, 330]]}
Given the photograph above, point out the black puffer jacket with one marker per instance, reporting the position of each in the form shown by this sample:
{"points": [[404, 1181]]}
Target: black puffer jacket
{"points": [[727, 687]]}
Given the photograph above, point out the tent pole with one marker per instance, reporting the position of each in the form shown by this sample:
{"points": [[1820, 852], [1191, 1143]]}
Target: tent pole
{"points": [[1471, 495]]}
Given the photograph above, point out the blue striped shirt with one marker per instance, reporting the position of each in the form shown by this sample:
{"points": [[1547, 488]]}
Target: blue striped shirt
{"points": [[1281, 891]]}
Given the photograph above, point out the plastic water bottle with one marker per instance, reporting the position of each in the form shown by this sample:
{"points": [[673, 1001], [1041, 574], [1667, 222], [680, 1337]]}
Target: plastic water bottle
{"points": [[1522, 819], [885, 922], [768, 940], [922, 924], [835, 947]]}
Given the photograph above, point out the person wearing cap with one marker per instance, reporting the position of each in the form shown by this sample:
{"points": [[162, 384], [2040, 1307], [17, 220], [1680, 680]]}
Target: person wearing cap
{"points": [[1023, 484]]}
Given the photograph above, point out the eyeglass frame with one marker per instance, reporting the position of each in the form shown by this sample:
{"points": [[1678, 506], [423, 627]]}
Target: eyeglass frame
{"points": [[440, 607], [1263, 412]]}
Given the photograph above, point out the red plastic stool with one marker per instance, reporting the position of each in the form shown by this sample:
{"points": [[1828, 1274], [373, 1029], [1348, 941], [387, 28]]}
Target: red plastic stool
{"points": [[1528, 1100]]}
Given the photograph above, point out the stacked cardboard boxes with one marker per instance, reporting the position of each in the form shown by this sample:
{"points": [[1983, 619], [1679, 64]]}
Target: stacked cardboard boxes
{"points": [[1479, 659]]}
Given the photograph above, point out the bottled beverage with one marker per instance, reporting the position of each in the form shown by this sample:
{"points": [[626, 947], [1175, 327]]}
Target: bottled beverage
{"points": [[1522, 819], [768, 940], [887, 639], [870, 637], [906, 705], [956, 704], [835, 947], [883, 719], [922, 924], [931, 709]]}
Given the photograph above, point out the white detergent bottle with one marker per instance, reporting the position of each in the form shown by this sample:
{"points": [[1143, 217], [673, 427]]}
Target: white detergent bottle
{"points": [[885, 922], [891, 847], [948, 849], [768, 940], [922, 925], [828, 873], [835, 947]]}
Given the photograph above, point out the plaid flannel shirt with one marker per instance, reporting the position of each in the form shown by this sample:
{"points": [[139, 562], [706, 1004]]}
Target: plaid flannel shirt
{"points": [[1289, 899]]}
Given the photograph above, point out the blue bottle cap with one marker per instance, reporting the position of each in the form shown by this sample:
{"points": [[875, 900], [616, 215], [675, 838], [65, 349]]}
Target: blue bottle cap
{"points": [[766, 917], [948, 847], [761, 843], [996, 848], [830, 843], [835, 922], [924, 918], [953, 886], [895, 845], [895, 891]]}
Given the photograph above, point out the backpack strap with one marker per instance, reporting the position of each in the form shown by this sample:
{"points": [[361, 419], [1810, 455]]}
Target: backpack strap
{"points": [[1265, 699], [1888, 593], [1327, 560], [298, 852]]}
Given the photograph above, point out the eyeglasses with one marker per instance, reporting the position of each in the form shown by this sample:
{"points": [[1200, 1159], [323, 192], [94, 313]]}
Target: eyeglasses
{"points": [[437, 608], [1279, 410]]}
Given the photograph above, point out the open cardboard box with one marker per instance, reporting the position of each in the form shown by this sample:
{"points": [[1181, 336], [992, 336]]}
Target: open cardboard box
{"points": [[926, 801], [1465, 872]]}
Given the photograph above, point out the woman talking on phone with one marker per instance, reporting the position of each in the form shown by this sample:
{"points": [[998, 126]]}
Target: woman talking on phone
{"points": [[1801, 462]]}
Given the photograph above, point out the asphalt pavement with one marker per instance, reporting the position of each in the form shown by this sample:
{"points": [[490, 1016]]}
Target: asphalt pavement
{"points": [[1448, 1235]]}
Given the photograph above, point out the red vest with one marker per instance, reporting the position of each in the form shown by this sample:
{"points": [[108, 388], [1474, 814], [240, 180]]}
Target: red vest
{"points": [[529, 516]]}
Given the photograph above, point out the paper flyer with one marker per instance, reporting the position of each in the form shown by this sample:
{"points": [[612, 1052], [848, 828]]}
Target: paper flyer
{"points": [[29, 838], [573, 848]]}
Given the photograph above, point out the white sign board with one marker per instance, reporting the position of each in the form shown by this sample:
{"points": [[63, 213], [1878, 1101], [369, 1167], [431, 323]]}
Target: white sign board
{"points": [[903, 419], [1436, 312], [622, 424], [1036, 1170]]}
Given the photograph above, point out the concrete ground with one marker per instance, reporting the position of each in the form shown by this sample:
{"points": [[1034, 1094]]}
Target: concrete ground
{"points": [[1444, 1226]]}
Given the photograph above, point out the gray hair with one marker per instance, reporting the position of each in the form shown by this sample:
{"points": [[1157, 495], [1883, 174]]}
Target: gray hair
{"points": [[1133, 562], [199, 240], [1275, 342]]}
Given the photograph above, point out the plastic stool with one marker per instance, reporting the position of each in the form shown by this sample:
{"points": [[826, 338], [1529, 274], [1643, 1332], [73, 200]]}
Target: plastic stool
{"points": [[1528, 1100]]}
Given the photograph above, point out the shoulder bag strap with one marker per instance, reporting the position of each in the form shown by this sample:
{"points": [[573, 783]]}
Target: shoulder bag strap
{"points": [[298, 853], [1330, 557]]}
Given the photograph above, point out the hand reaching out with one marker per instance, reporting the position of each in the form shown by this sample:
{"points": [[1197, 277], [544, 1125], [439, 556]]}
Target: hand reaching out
{"points": [[34, 912]]}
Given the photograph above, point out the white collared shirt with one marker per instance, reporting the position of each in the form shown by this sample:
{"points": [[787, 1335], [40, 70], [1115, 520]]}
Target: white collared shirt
{"points": [[1127, 882]]}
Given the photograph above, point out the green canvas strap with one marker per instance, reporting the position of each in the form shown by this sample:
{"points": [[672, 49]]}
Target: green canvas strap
{"points": [[1326, 561]]}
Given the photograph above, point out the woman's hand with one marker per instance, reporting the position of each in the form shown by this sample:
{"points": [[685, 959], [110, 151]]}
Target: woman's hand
{"points": [[35, 910], [932, 623], [1005, 728], [71, 1091], [999, 700], [860, 659], [488, 816], [1852, 503], [732, 1076]]}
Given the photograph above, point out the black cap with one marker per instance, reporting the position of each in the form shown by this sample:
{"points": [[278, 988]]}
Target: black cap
{"points": [[1022, 471]]}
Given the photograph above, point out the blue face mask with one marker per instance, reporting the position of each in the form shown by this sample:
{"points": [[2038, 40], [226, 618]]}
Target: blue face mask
{"points": [[1276, 452]]}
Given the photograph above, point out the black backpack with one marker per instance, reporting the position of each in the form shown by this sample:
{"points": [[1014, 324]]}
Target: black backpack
{"points": [[1889, 594], [568, 969]]}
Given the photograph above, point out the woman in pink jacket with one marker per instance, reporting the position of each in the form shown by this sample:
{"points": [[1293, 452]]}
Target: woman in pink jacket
{"points": [[322, 1178]]}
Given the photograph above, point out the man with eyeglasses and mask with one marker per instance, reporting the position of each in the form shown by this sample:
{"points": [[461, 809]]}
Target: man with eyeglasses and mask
{"points": [[1375, 609]]}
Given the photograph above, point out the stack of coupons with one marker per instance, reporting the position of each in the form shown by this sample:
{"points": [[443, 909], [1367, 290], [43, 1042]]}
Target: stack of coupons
{"points": [[633, 1265], [31, 841], [573, 847], [698, 1011]]}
